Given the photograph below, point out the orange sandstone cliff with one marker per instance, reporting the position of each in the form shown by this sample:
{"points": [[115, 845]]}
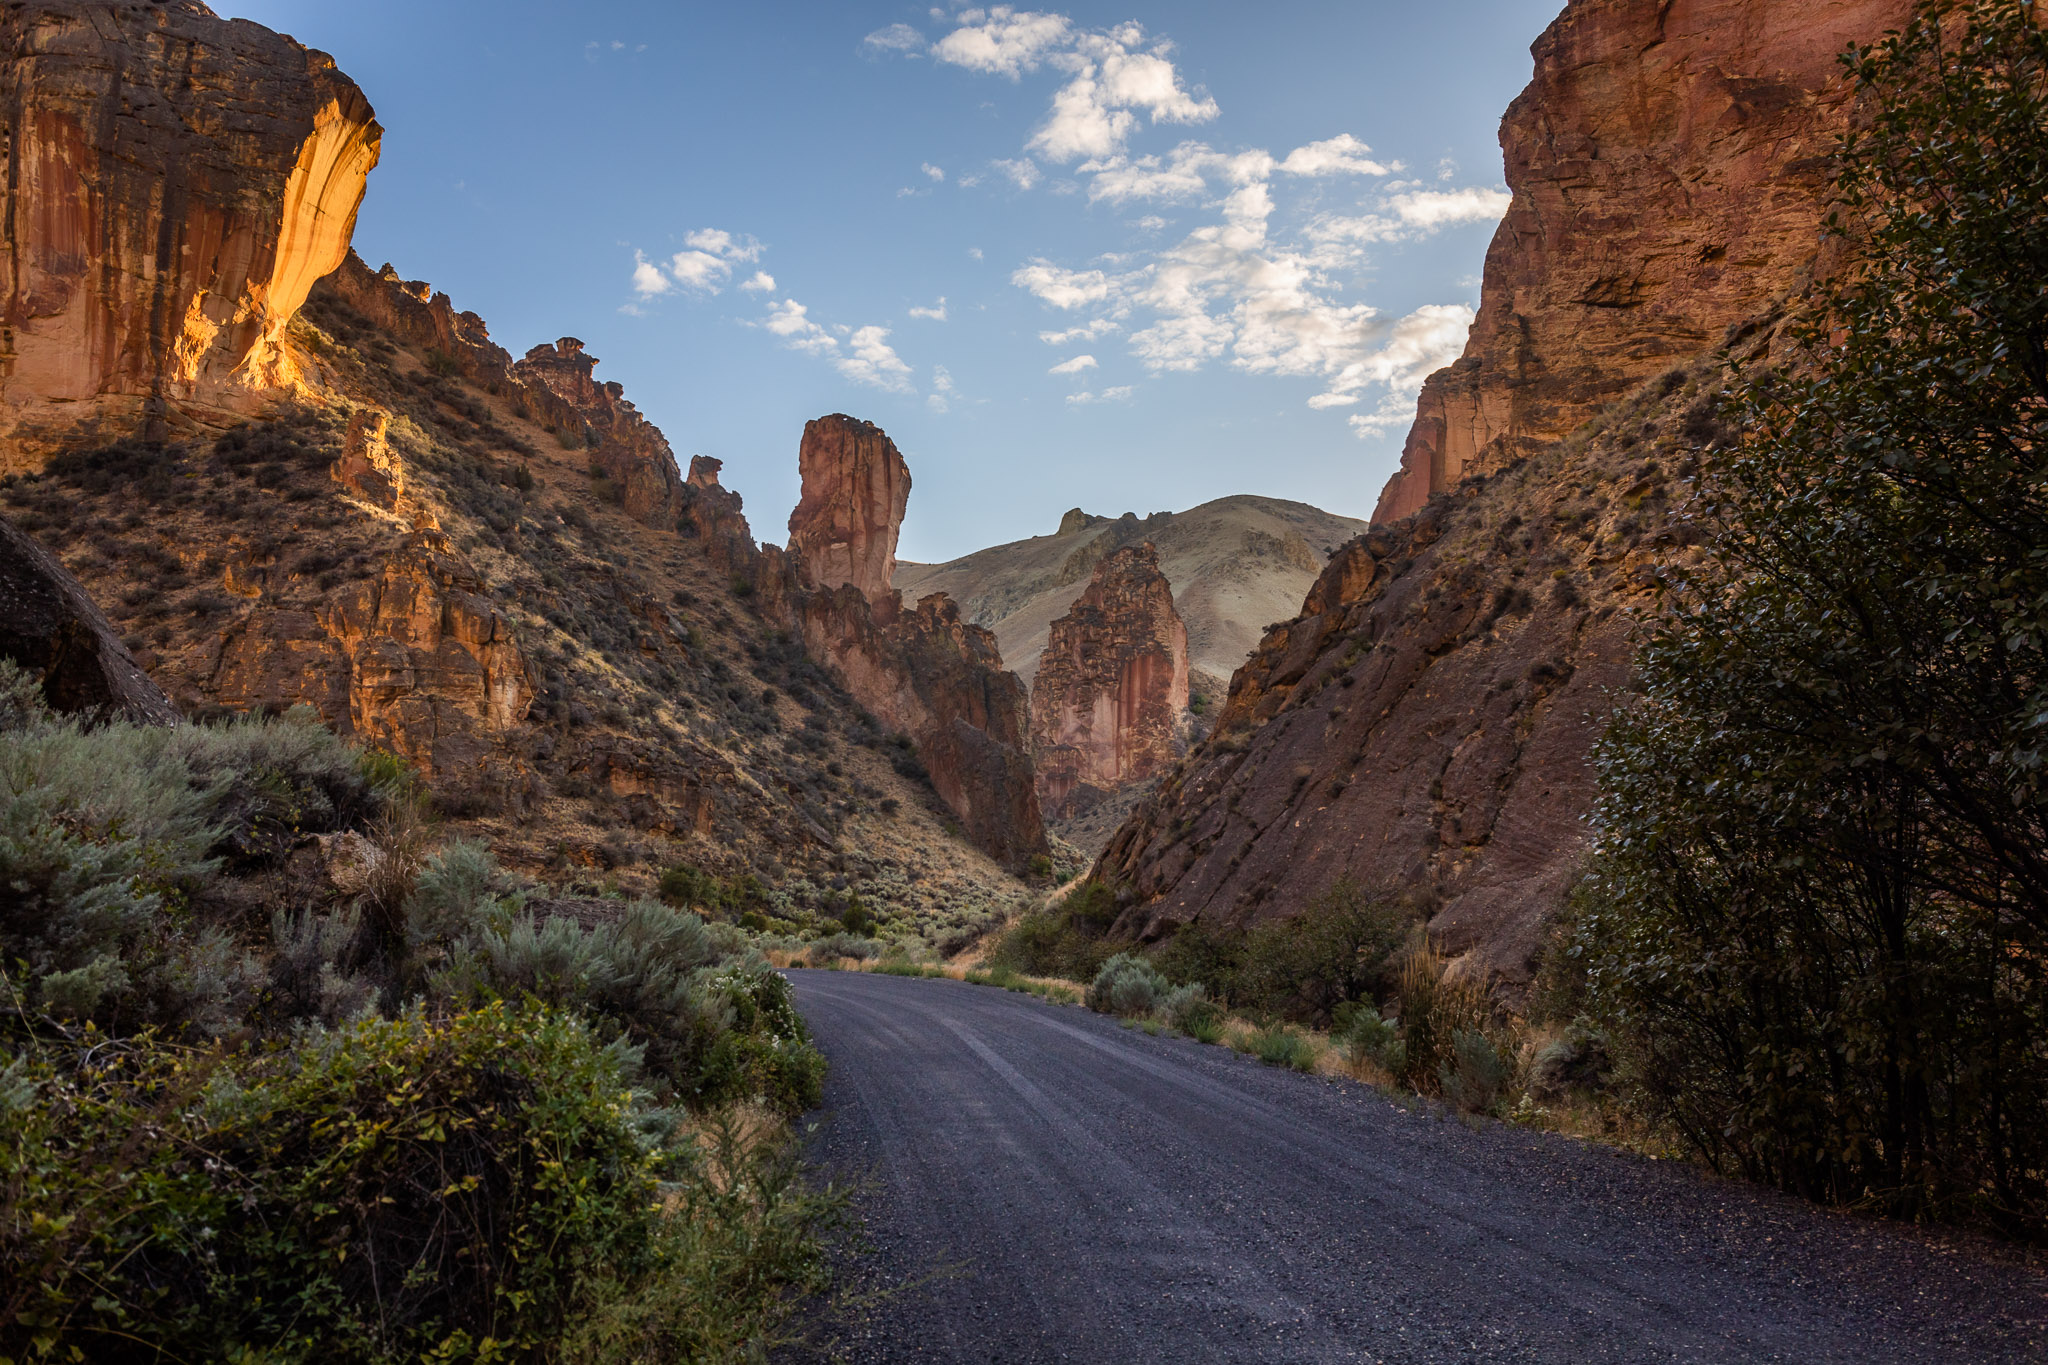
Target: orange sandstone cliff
{"points": [[1109, 700], [159, 234], [1669, 164], [1424, 724]]}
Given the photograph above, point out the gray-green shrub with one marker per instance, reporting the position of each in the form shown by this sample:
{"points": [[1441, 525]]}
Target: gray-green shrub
{"points": [[1128, 985]]}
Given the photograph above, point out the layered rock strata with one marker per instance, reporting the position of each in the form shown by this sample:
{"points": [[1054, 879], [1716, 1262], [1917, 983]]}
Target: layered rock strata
{"points": [[1669, 164], [1109, 701], [51, 628], [712, 513], [626, 450], [159, 234]]}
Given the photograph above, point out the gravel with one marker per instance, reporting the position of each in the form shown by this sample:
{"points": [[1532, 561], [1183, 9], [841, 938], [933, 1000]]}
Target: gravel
{"points": [[1040, 1184]]}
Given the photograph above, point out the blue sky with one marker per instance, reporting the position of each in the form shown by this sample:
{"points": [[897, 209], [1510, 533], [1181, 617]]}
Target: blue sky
{"points": [[1126, 258]]}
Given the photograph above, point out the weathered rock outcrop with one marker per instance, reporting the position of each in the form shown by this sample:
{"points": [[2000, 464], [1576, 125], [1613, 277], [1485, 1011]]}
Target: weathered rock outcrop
{"points": [[1425, 722], [417, 660], [711, 512], [175, 184], [51, 628], [855, 490], [1669, 169], [924, 673], [626, 449], [1109, 701]]}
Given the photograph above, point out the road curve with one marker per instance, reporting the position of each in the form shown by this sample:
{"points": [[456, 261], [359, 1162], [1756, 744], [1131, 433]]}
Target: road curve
{"points": [[1043, 1185]]}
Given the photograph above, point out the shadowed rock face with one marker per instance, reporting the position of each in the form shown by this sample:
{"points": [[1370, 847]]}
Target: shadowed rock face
{"points": [[626, 449], [51, 627], [855, 490], [1426, 721], [1108, 701], [160, 233], [1669, 169], [712, 514]]}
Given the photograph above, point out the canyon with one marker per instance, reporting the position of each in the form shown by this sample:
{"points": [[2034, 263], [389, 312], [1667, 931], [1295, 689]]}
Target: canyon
{"points": [[1423, 723]]}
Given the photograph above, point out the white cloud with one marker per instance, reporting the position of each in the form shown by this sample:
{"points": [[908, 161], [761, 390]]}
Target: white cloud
{"points": [[1003, 41], [698, 270], [1074, 366], [935, 313], [974, 253], [866, 357], [901, 39], [1340, 155], [1063, 288], [1432, 209], [723, 244], [1395, 411], [1087, 331], [1414, 348], [647, 277], [1023, 172], [940, 398], [761, 283], [933, 173], [1110, 395], [1151, 222]]}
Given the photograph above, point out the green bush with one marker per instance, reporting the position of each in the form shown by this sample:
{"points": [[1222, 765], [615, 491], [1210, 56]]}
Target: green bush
{"points": [[402, 1189], [1477, 1074], [1435, 1009], [1070, 940], [1365, 1036], [1818, 926], [1127, 985], [1339, 949], [1281, 1045], [1189, 1009]]}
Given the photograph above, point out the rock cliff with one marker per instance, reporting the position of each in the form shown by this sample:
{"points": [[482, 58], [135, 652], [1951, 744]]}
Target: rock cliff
{"points": [[1669, 170], [855, 490], [627, 451], [1109, 700], [1424, 722], [924, 673], [53, 630], [159, 234]]}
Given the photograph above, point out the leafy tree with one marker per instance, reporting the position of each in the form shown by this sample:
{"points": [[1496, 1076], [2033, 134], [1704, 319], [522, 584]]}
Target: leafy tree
{"points": [[1822, 873]]}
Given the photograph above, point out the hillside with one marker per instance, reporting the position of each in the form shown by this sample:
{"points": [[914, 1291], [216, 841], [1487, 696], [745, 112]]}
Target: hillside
{"points": [[1423, 721], [1236, 565]]}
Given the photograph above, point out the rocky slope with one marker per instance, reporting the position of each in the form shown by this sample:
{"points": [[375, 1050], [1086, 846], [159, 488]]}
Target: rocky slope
{"points": [[1424, 722], [1668, 164], [1109, 701], [1236, 565], [491, 566]]}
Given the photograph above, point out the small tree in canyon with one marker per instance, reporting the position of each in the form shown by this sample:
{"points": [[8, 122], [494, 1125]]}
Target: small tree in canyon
{"points": [[1820, 914]]}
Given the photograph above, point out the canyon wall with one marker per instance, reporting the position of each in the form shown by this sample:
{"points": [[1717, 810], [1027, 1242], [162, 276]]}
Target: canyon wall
{"points": [[1424, 724], [1109, 700], [1669, 164], [922, 672], [160, 233]]}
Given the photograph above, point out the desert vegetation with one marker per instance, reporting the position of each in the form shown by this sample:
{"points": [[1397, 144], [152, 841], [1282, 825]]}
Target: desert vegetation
{"points": [[286, 1075]]}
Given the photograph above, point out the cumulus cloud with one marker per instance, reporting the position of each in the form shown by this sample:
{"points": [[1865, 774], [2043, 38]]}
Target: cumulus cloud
{"points": [[647, 277], [761, 282], [897, 39], [1087, 331], [1412, 214], [935, 313], [705, 265], [1002, 41], [862, 354], [1063, 288], [1110, 395], [1074, 366], [941, 396], [933, 173], [1340, 155], [1022, 172]]}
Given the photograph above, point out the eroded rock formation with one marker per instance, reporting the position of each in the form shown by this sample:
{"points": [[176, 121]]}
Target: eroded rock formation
{"points": [[1425, 723], [53, 630], [418, 660], [855, 490], [626, 449], [1109, 701], [1669, 170], [711, 513], [159, 234], [925, 672]]}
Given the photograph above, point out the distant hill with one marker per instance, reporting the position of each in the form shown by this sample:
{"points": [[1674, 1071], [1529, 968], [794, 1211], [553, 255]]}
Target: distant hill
{"points": [[1236, 564]]}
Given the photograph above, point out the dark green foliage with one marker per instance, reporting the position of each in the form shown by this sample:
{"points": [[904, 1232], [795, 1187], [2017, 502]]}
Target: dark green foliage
{"points": [[1821, 915], [397, 1189], [1339, 949], [1070, 940]]}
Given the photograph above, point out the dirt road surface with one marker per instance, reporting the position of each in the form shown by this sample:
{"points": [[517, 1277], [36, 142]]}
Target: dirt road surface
{"points": [[1044, 1185]]}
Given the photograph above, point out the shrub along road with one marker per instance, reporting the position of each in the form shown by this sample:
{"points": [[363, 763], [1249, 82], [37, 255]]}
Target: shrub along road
{"points": [[1043, 1185]]}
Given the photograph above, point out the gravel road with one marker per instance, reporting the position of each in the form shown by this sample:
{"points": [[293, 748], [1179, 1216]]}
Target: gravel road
{"points": [[1043, 1185]]}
